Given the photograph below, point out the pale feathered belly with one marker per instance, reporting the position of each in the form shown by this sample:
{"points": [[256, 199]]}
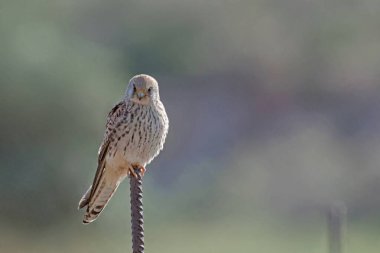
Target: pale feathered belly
{"points": [[142, 150]]}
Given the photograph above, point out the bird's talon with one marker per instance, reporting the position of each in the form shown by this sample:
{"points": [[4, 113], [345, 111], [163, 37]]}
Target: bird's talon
{"points": [[142, 171], [133, 173]]}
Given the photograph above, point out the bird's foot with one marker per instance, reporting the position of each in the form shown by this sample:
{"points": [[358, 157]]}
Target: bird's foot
{"points": [[142, 170], [132, 171]]}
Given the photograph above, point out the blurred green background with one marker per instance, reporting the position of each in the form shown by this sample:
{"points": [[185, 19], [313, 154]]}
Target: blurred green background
{"points": [[274, 117]]}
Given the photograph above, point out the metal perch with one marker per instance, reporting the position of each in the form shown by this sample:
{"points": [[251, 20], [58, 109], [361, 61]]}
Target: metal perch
{"points": [[336, 219], [137, 216]]}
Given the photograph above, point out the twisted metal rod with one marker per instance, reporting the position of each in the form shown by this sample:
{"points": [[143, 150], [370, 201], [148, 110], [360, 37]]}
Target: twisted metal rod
{"points": [[336, 219], [137, 216]]}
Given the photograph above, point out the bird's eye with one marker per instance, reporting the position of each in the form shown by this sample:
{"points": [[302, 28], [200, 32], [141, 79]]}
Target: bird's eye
{"points": [[150, 90], [134, 88]]}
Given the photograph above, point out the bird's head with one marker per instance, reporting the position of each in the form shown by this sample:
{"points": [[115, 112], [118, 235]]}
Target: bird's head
{"points": [[142, 89]]}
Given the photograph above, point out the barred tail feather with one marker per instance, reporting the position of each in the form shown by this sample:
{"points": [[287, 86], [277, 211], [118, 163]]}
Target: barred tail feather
{"points": [[99, 199]]}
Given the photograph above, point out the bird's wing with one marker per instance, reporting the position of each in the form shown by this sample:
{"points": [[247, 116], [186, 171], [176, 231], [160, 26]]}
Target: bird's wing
{"points": [[112, 120]]}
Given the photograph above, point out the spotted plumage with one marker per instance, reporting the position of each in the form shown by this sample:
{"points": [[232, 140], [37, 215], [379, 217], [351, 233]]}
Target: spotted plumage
{"points": [[135, 133]]}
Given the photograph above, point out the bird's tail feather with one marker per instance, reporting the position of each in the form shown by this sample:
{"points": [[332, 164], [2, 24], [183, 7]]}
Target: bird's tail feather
{"points": [[100, 198], [85, 199]]}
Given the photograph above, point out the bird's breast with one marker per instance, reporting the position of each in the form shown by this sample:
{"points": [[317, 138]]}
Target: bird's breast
{"points": [[140, 135]]}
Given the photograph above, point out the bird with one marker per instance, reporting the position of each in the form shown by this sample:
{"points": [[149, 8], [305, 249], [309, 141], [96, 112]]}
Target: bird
{"points": [[135, 134]]}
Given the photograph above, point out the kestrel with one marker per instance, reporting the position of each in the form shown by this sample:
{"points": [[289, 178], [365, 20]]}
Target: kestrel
{"points": [[135, 133]]}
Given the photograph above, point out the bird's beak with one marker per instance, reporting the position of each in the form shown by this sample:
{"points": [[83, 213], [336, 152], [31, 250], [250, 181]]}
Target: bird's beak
{"points": [[141, 94]]}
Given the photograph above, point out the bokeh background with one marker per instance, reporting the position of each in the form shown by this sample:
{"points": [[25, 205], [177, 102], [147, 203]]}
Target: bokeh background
{"points": [[274, 118]]}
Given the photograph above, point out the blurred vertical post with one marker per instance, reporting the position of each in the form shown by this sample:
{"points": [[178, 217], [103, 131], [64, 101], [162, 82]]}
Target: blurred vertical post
{"points": [[137, 216], [335, 222]]}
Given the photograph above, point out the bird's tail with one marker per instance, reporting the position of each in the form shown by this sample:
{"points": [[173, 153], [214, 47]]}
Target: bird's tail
{"points": [[97, 201], [85, 199]]}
